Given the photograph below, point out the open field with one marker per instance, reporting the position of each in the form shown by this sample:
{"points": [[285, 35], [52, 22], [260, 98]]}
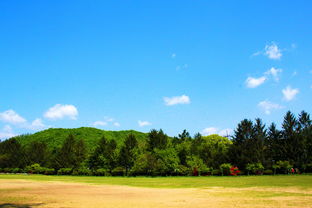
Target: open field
{"points": [[77, 191]]}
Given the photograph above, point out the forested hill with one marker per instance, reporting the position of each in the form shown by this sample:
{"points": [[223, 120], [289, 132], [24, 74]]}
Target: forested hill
{"points": [[55, 137]]}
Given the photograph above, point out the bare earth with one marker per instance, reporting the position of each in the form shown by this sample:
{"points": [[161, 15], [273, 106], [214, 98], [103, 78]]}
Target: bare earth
{"points": [[26, 194]]}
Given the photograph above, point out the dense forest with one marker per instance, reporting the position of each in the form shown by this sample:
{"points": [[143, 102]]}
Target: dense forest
{"points": [[252, 149]]}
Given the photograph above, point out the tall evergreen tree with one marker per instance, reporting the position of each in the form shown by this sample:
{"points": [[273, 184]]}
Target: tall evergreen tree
{"points": [[65, 157], [127, 153], [157, 139], [104, 155], [292, 141], [241, 150], [37, 152]]}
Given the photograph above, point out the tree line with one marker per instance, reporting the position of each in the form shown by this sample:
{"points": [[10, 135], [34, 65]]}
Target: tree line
{"points": [[252, 149]]}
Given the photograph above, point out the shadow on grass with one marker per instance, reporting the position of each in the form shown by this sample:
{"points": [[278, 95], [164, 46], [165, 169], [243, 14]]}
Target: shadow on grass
{"points": [[9, 205]]}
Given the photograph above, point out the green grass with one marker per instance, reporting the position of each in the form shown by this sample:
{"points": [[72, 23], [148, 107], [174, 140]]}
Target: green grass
{"points": [[300, 181]]}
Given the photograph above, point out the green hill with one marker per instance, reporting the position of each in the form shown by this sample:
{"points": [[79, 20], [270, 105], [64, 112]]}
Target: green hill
{"points": [[54, 137]]}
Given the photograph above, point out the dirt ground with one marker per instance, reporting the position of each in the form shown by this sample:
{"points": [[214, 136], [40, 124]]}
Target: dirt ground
{"points": [[26, 194]]}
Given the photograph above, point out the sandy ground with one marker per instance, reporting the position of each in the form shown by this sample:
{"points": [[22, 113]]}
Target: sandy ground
{"points": [[26, 194]]}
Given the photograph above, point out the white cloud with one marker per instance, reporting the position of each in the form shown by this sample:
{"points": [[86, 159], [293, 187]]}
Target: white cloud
{"points": [[62, 111], [173, 55], [105, 122], [225, 132], [268, 106], [10, 116], [37, 124], [116, 124], [183, 99], [214, 130], [272, 51], [274, 72], [144, 123], [252, 82], [7, 132], [99, 123], [290, 93]]}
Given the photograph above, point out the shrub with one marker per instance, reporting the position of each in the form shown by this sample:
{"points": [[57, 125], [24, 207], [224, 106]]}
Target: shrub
{"points": [[118, 171], [206, 171], [307, 168], [34, 168], [7, 170], [183, 170], [216, 172], [255, 168], [49, 171], [16, 170], [234, 171], [64, 171], [225, 168], [101, 172], [282, 167], [268, 172], [82, 171]]}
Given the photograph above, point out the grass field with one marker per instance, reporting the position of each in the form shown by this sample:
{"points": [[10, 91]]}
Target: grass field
{"points": [[89, 191]]}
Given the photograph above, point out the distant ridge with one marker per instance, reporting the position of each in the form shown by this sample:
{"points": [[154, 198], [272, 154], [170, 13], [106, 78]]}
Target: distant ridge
{"points": [[54, 137]]}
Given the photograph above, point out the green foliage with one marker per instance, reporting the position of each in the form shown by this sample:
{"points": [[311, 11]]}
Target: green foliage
{"points": [[104, 156], [268, 172], [65, 171], [157, 139], [101, 172], [119, 171], [37, 169], [196, 165], [86, 151], [167, 161], [214, 150], [82, 171], [55, 137], [255, 168], [145, 164], [225, 168], [128, 153], [283, 166]]}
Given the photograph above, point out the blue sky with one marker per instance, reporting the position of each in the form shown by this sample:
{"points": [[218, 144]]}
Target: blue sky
{"points": [[174, 65]]}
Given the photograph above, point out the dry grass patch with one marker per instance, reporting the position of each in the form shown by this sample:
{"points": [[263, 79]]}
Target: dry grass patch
{"points": [[25, 193]]}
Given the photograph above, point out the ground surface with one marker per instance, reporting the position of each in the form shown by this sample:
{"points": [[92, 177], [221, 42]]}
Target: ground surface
{"points": [[262, 191]]}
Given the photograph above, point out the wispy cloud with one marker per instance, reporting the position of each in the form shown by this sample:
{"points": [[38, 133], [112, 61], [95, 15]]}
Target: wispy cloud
{"points": [[252, 82], [173, 55], [60, 111], [183, 99], [290, 93], [107, 121], [117, 124], [184, 66], [7, 132], [144, 123], [213, 130], [274, 72], [272, 51], [99, 123], [268, 106], [37, 124]]}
